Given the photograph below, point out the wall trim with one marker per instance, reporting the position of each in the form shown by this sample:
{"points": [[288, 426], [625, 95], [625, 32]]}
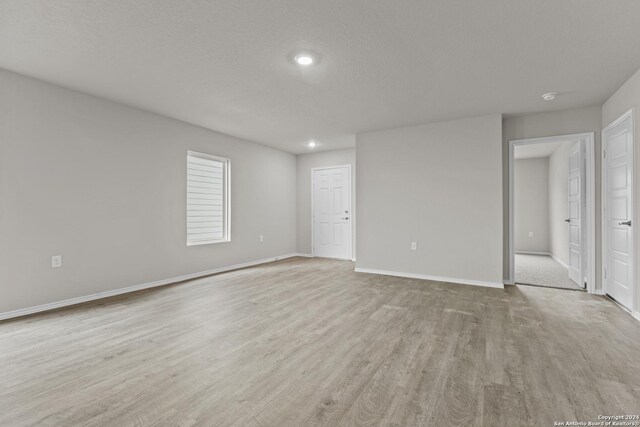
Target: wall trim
{"points": [[106, 294], [555, 258], [303, 255], [533, 253], [559, 261], [633, 313], [429, 277]]}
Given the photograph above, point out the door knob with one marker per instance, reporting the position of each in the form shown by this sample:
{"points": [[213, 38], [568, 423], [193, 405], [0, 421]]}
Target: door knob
{"points": [[567, 220], [625, 223], [346, 218]]}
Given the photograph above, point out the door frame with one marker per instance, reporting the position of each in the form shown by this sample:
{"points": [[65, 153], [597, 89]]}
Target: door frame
{"points": [[634, 292], [313, 209], [590, 193]]}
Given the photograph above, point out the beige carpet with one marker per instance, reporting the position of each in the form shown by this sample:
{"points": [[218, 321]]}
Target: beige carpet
{"points": [[542, 270]]}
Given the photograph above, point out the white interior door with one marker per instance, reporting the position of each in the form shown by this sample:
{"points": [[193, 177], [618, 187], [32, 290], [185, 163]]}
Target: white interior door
{"points": [[618, 212], [575, 220], [332, 212]]}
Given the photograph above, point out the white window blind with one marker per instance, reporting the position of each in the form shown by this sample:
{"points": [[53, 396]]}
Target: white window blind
{"points": [[207, 199]]}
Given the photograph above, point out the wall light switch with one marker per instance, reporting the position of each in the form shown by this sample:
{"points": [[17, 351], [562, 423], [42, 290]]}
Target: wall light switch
{"points": [[56, 261], [414, 246], [261, 238], [531, 234]]}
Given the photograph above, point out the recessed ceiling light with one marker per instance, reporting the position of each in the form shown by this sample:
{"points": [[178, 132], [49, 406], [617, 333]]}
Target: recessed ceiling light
{"points": [[549, 96], [311, 144], [304, 59]]}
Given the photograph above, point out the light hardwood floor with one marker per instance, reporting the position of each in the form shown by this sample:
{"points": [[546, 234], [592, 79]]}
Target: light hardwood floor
{"points": [[309, 342]]}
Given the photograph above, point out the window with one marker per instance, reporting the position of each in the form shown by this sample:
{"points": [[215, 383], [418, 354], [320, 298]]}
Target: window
{"points": [[208, 208]]}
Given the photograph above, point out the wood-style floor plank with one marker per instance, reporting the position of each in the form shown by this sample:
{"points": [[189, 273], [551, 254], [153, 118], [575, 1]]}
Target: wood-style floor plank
{"points": [[306, 342]]}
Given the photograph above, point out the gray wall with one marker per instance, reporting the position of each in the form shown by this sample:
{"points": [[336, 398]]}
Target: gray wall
{"points": [[440, 185], [531, 204], [625, 98], [559, 202], [551, 124], [103, 185], [316, 160]]}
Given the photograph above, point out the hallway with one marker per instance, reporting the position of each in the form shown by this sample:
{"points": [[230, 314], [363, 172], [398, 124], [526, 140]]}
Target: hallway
{"points": [[542, 270]]}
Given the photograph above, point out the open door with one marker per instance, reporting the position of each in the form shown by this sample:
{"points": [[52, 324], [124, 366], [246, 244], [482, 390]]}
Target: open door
{"points": [[575, 220]]}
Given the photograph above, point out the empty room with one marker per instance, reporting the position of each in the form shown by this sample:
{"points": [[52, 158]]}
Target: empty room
{"points": [[296, 212]]}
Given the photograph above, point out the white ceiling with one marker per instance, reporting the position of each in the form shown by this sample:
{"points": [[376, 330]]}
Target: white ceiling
{"points": [[225, 64], [534, 151]]}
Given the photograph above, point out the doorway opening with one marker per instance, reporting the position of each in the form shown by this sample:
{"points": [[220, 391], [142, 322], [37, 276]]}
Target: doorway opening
{"points": [[331, 211], [552, 212]]}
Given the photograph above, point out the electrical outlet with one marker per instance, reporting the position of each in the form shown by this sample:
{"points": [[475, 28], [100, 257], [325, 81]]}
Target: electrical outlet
{"points": [[414, 246], [261, 238], [56, 261], [531, 234]]}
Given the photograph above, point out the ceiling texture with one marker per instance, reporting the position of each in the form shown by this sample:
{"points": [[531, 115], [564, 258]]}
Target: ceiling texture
{"points": [[226, 64]]}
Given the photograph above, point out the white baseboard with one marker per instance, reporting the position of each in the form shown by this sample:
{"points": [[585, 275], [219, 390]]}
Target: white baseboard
{"points": [[556, 259], [533, 253], [634, 314], [428, 277], [304, 255], [120, 291], [544, 253], [507, 282]]}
